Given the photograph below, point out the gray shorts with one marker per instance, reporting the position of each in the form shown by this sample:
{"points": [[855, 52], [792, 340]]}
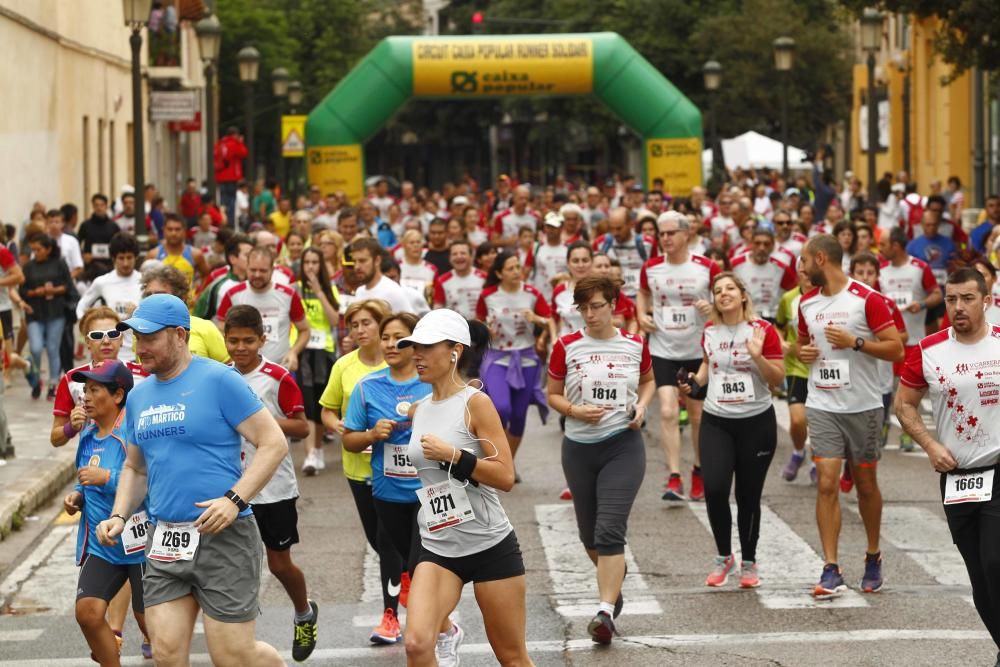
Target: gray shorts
{"points": [[223, 576], [835, 435]]}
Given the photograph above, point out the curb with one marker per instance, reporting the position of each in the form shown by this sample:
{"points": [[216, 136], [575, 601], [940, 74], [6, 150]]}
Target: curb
{"points": [[37, 493]]}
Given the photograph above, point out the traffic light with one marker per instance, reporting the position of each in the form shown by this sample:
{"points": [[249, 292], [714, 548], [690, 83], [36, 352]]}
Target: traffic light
{"points": [[477, 22]]}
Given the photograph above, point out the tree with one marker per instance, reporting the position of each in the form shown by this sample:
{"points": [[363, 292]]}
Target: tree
{"points": [[968, 34]]}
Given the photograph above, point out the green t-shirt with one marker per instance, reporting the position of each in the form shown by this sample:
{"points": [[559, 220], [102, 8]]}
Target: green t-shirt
{"points": [[788, 319], [267, 199]]}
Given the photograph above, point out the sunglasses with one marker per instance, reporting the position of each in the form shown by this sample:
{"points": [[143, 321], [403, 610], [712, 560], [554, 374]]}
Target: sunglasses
{"points": [[111, 334]]}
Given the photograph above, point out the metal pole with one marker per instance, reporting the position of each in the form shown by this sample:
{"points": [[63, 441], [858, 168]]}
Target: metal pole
{"points": [[137, 148], [210, 128], [784, 126], [906, 122], [978, 154], [872, 130], [251, 170], [717, 165], [281, 152]]}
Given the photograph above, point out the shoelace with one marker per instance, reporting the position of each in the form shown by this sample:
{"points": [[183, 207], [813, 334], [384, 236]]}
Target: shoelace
{"points": [[305, 633]]}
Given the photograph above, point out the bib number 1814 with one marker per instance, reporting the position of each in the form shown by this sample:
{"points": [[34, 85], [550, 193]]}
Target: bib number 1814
{"points": [[604, 394]]}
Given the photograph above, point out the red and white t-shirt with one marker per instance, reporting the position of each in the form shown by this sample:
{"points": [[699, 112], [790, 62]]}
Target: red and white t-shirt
{"points": [[794, 244], [887, 369], [964, 385], [736, 387], [502, 313], [69, 394], [842, 380], [279, 393], [674, 289], [508, 223], [568, 318], [601, 372], [459, 293], [628, 255], [549, 261], [906, 284], [417, 276], [7, 262], [279, 306], [765, 282]]}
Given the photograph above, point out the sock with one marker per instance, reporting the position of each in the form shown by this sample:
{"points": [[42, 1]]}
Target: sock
{"points": [[118, 633], [606, 608], [301, 617], [454, 629], [697, 470]]}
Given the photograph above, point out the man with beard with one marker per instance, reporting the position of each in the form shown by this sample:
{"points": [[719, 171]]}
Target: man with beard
{"points": [[373, 284], [765, 277]]}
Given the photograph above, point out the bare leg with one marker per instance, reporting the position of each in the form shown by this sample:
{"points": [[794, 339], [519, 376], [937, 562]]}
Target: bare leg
{"points": [[869, 502], [670, 427], [434, 593], [828, 506], [90, 615], [503, 608], [170, 626], [234, 645]]}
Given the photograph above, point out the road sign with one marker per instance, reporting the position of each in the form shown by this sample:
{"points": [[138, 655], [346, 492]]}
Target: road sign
{"points": [[173, 105], [293, 136]]}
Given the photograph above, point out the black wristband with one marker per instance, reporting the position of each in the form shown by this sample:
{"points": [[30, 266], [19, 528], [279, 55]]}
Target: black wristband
{"points": [[124, 520], [241, 504], [466, 464]]}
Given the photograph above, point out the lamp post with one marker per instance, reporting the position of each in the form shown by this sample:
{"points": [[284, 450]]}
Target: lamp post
{"points": [[249, 60], [279, 86], [209, 33], [712, 72], [979, 127], [294, 100], [784, 55], [136, 17], [903, 65], [871, 40]]}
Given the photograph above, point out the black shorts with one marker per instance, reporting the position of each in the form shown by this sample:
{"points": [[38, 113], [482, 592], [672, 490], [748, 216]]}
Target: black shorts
{"points": [[665, 373], [101, 579], [934, 314], [501, 561], [798, 390], [7, 320], [278, 524]]}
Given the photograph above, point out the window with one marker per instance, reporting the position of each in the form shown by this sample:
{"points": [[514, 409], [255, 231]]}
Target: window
{"points": [[100, 154], [86, 158], [111, 153]]}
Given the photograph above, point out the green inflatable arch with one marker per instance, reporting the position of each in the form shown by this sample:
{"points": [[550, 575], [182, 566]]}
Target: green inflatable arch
{"points": [[457, 67]]}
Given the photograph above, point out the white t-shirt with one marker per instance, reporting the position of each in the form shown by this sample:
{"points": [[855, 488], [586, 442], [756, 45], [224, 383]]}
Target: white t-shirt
{"points": [[673, 290], [568, 318], [417, 276], [906, 284], [459, 293], [277, 390], [549, 261], [392, 293], [796, 241], [842, 380], [736, 387], [279, 306], [502, 312], [69, 250], [963, 381], [508, 222], [604, 372], [117, 292], [629, 256], [766, 282]]}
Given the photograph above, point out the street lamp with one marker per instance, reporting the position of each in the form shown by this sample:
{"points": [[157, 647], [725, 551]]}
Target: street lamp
{"points": [[249, 60], [712, 71], [279, 86], [209, 32], [136, 17], [784, 55], [294, 100], [871, 40], [903, 65]]}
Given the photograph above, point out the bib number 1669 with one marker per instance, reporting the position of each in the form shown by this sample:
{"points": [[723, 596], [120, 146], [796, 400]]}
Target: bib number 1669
{"points": [[968, 483]]}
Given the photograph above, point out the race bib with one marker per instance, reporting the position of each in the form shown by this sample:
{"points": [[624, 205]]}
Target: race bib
{"points": [[734, 387], [832, 374], [970, 487], [675, 318], [901, 299], [100, 251], [317, 339], [270, 325], [396, 462], [135, 532], [174, 541], [121, 308], [445, 504], [630, 278], [606, 393]]}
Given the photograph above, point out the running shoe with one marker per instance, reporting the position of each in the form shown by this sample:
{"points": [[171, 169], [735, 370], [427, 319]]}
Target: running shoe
{"points": [[813, 475], [31, 375], [601, 628], [675, 488], [682, 417], [446, 649], [831, 583], [404, 588], [872, 581], [846, 481], [51, 394], [329, 437], [791, 469], [720, 573], [697, 486], [320, 459], [387, 632], [566, 494], [147, 649], [905, 443], [305, 635], [748, 575], [310, 465]]}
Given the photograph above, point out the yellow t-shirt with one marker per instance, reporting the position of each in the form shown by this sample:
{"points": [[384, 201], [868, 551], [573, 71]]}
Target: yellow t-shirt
{"points": [[346, 373], [282, 223], [206, 340]]}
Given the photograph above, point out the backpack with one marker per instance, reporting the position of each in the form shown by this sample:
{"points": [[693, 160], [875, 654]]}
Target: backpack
{"points": [[640, 247]]}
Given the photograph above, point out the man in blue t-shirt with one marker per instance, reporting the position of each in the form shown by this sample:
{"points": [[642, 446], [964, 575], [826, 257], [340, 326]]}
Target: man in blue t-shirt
{"points": [[184, 427], [981, 233]]}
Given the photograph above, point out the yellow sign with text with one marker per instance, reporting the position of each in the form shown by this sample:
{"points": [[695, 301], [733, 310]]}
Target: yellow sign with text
{"points": [[338, 169], [494, 66], [293, 136], [676, 161]]}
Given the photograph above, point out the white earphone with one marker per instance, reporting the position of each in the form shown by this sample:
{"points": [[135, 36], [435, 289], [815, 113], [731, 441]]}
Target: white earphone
{"points": [[454, 357]]}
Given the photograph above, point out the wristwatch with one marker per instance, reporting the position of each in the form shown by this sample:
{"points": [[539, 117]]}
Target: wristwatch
{"points": [[239, 502], [859, 342]]}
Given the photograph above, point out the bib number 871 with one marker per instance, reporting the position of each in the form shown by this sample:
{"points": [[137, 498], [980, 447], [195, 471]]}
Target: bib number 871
{"points": [[969, 483], [442, 504], [176, 539]]}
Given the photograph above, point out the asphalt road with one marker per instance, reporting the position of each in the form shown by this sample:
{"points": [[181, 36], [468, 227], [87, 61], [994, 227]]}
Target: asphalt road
{"points": [[923, 616]]}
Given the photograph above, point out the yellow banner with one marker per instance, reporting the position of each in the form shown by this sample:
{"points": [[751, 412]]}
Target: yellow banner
{"points": [[293, 136], [338, 169], [676, 161], [508, 65]]}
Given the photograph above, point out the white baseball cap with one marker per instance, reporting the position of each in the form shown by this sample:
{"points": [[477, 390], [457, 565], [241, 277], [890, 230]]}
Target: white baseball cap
{"points": [[437, 326], [553, 219]]}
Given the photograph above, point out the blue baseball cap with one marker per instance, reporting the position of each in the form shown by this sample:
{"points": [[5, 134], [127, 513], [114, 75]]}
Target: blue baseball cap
{"points": [[157, 312], [109, 371]]}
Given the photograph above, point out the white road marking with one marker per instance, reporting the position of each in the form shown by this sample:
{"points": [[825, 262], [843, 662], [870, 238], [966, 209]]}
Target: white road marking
{"points": [[925, 538], [47, 579], [795, 566], [573, 575], [20, 635], [625, 643]]}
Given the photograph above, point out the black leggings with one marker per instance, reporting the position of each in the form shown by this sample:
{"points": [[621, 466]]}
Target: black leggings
{"points": [[390, 565], [604, 478], [975, 529], [399, 521], [740, 447]]}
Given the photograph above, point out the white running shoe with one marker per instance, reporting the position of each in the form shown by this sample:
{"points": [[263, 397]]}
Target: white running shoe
{"points": [[320, 459], [446, 650], [309, 466]]}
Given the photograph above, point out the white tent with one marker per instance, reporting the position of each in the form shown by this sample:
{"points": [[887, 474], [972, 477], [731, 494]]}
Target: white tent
{"points": [[751, 149]]}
